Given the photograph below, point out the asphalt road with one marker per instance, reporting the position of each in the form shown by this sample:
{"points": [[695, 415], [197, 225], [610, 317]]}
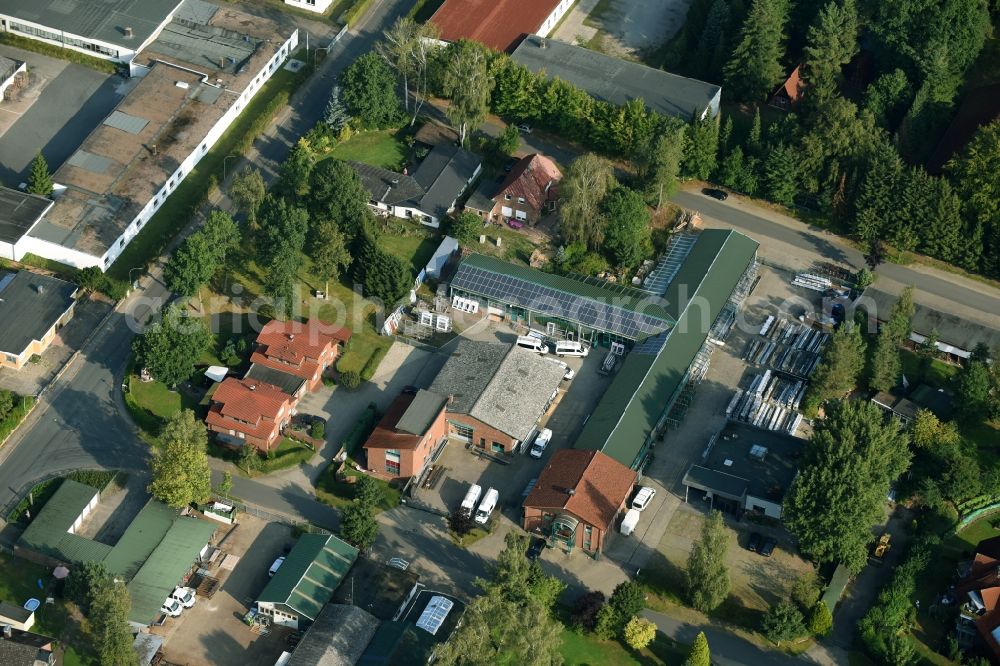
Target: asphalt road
{"points": [[80, 421], [741, 215]]}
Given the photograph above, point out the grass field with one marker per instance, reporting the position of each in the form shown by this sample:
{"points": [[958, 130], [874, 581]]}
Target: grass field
{"points": [[339, 494], [19, 582], [380, 148], [940, 374], [415, 247], [579, 649]]}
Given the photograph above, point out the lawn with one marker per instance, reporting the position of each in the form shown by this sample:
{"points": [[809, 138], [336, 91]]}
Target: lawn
{"points": [[151, 404], [19, 582], [381, 148], [940, 374], [339, 494], [579, 649], [178, 210], [416, 246]]}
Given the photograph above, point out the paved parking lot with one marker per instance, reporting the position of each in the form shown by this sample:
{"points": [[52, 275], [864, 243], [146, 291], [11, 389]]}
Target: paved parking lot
{"points": [[60, 106], [212, 633]]}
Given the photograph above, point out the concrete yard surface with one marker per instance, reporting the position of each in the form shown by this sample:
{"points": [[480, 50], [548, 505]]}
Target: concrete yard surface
{"points": [[622, 27]]}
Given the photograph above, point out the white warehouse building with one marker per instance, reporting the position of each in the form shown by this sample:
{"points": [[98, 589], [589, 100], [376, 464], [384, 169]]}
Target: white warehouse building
{"points": [[198, 74]]}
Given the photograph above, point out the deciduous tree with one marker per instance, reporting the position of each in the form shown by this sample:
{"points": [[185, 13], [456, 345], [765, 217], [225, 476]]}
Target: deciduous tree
{"points": [[181, 475], [974, 391], [509, 140], [844, 476], [707, 575], [329, 252], [358, 526], [586, 183], [369, 92], [638, 633], [468, 84], [782, 622], [465, 227], [838, 372], [660, 163], [336, 193], [110, 632], [248, 191], [170, 348], [626, 228], [293, 175]]}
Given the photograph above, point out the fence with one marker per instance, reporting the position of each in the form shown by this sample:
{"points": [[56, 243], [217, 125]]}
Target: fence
{"points": [[269, 516]]}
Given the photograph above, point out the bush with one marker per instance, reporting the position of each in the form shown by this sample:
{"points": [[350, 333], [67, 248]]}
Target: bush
{"points": [[362, 428], [317, 430], [460, 522], [585, 609], [639, 632], [820, 620], [350, 380], [782, 622], [371, 365], [606, 624], [628, 600]]}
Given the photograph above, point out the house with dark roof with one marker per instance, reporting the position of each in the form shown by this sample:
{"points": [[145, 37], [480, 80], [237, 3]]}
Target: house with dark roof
{"points": [[617, 81], [405, 440], [499, 24], [746, 470], [19, 212], [496, 393], [16, 616], [427, 196], [577, 499], [33, 308], [339, 635], [24, 648], [303, 350], [306, 580], [528, 191], [249, 412]]}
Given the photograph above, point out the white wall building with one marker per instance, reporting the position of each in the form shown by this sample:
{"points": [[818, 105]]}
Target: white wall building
{"points": [[318, 6]]}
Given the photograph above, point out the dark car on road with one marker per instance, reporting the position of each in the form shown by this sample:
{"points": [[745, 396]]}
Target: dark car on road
{"points": [[536, 548], [721, 195], [753, 545], [767, 547]]}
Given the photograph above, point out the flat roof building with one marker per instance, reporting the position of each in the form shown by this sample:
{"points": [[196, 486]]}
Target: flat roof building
{"points": [[19, 211], [499, 24], [198, 74], [111, 29], [610, 79], [33, 308]]}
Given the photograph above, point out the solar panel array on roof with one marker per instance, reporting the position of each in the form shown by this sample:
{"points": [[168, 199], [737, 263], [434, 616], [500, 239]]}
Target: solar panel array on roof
{"points": [[126, 122], [590, 312], [89, 161], [434, 615]]}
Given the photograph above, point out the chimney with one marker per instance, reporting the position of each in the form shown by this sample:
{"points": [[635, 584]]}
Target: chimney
{"points": [[152, 149], [571, 491], [128, 32], [40, 288]]}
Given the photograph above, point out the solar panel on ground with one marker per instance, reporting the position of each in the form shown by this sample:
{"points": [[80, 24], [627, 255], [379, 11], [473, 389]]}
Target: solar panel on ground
{"points": [[126, 122]]}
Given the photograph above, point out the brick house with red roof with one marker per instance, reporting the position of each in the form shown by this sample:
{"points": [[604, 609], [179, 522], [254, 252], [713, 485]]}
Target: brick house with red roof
{"points": [[405, 440], [499, 24], [302, 350], [978, 592], [577, 499], [528, 191], [249, 411]]}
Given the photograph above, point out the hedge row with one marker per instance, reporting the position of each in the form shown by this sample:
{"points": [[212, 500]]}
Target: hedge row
{"points": [[371, 365], [42, 492], [16, 415], [363, 427]]}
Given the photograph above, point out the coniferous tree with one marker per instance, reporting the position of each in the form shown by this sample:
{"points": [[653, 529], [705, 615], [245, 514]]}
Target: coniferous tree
{"points": [[838, 373], [779, 179], [701, 148], [699, 655], [831, 44], [39, 178], [712, 42], [755, 68]]}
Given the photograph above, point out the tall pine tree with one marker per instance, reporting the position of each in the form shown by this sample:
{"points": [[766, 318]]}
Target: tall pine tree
{"points": [[832, 42], [39, 179], [755, 67]]}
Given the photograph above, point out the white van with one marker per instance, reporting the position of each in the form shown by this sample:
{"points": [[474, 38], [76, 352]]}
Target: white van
{"points": [[532, 344], [486, 506], [629, 522], [471, 497], [571, 348]]}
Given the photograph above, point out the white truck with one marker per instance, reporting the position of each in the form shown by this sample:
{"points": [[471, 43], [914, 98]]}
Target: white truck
{"points": [[486, 506], [471, 497], [629, 522]]}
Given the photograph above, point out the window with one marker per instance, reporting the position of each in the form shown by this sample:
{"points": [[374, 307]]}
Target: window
{"points": [[392, 462], [507, 197], [121, 243], [11, 358], [497, 447], [520, 200], [482, 442]]}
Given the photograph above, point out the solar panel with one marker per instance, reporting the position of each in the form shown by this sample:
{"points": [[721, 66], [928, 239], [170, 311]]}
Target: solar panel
{"points": [[434, 614], [594, 313]]}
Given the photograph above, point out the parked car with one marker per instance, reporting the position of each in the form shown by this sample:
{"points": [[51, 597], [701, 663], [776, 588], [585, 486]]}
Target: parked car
{"points": [[753, 545], [274, 567], [542, 440], [721, 195], [171, 607], [535, 548], [185, 595], [514, 224], [569, 374], [643, 498], [767, 547], [523, 127]]}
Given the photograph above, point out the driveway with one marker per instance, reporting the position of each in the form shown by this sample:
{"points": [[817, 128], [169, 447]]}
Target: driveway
{"points": [[61, 105]]}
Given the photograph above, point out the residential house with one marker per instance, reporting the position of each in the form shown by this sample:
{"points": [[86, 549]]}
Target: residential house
{"points": [[577, 499], [409, 434], [306, 580], [427, 196], [978, 589], [24, 648], [301, 350], [789, 93], [529, 191], [249, 412], [499, 24], [497, 393], [610, 79], [746, 470], [33, 308]]}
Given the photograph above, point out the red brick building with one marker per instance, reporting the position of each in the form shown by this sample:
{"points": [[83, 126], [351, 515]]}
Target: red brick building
{"points": [[978, 596], [302, 350], [245, 410], [406, 438], [528, 191], [577, 499]]}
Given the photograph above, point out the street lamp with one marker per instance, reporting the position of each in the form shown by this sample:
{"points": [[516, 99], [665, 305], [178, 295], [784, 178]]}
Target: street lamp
{"points": [[225, 161]]}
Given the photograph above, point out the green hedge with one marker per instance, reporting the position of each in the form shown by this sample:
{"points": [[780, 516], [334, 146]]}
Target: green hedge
{"points": [[371, 365], [288, 454], [13, 419], [99, 64], [363, 427], [42, 492], [354, 12]]}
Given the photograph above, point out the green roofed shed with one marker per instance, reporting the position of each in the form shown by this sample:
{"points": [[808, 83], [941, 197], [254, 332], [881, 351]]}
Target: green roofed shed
{"points": [[140, 539], [306, 580], [652, 375], [51, 532]]}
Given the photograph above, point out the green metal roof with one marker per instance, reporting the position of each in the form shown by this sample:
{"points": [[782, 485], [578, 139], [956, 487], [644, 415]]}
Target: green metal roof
{"points": [[140, 539], [646, 383], [48, 532], [622, 296], [166, 565], [311, 572]]}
